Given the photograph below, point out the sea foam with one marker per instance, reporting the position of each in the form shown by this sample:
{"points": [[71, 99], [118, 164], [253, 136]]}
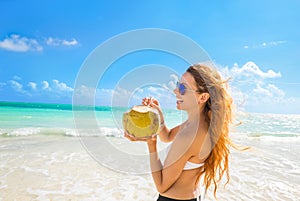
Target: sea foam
{"points": [[31, 131]]}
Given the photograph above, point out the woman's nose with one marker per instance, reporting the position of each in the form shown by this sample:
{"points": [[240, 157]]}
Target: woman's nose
{"points": [[175, 91]]}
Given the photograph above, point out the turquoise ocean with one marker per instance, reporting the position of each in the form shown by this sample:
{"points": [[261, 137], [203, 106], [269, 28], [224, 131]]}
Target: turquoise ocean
{"points": [[42, 156]]}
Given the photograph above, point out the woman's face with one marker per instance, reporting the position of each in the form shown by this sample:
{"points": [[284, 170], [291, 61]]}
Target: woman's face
{"points": [[188, 100]]}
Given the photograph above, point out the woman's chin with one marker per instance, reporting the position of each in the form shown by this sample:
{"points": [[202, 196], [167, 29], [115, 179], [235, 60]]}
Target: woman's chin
{"points": [[178, 106]]}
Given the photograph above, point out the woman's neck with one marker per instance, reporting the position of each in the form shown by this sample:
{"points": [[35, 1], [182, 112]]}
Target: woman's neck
{"points": [[195, 114]]}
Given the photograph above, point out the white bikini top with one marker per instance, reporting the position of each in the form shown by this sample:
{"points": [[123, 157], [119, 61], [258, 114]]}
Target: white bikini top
{"points": [[189, 165]]}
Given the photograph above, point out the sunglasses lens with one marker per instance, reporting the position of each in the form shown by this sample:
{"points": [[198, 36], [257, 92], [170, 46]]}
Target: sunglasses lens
{"points": [[181, 88]]}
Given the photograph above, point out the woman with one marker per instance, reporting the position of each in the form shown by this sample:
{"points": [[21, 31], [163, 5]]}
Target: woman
{"points": [[200, 145]]}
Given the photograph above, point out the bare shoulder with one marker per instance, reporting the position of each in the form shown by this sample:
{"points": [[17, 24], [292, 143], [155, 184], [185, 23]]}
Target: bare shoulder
{"points": [[201, 142], [203, 145]]}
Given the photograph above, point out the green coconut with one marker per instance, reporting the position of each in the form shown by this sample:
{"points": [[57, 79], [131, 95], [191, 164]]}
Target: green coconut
{"points": [[141, 121]]}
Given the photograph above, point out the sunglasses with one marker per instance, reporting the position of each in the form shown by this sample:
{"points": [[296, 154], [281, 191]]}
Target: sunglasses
{"points": [[182, 89]]}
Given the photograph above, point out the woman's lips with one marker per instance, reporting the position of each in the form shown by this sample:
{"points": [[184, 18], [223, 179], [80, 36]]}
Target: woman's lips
{"points": [[179, 101]]}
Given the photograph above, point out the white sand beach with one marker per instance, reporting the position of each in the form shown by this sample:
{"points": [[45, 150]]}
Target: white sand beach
{"points": [[59, 168]]}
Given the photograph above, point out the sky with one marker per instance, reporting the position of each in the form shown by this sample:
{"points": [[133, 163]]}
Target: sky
{"points": [[44, 44]]}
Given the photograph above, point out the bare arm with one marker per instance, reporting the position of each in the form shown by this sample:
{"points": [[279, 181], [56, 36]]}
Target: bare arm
{"points": [[164, 176], [168, 135], [187, 144]]}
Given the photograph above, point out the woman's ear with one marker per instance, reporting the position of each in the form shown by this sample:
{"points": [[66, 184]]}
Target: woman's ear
{"points": [[203, 97]]}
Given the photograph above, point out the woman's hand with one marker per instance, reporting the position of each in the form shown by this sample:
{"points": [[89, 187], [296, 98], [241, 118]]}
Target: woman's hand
{"points": [[152, 102], [150, 140]]}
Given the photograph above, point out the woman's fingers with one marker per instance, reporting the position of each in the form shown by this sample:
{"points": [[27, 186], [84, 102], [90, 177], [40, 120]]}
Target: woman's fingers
{"points": [[129, 136], [146, 101], [133, 138], [150, 101]]}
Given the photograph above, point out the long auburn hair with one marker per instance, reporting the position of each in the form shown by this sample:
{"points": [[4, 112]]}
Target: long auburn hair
{"points": [[218, 115]]}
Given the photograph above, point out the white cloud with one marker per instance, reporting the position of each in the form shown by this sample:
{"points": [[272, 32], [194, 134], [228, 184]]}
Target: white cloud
{"points": [[250, 69], [18, 87], [163, 92], [17, 43], [120, 96], [275, 43], [172, 83], [276, 92], [238, 96], [269, 93], [253, 88], [56, 86], [266, 44], [15, 77], [54, 90], [53, 42], [270, 98], [61, 86], [45, 85], [84, 95], [157, 91], [71, 42], [32, 85], [61, 42], [262, 91], [90, 96]]}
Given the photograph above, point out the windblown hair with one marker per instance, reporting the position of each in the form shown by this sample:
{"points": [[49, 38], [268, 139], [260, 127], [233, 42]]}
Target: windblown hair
{"points": [[218, 115]]}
